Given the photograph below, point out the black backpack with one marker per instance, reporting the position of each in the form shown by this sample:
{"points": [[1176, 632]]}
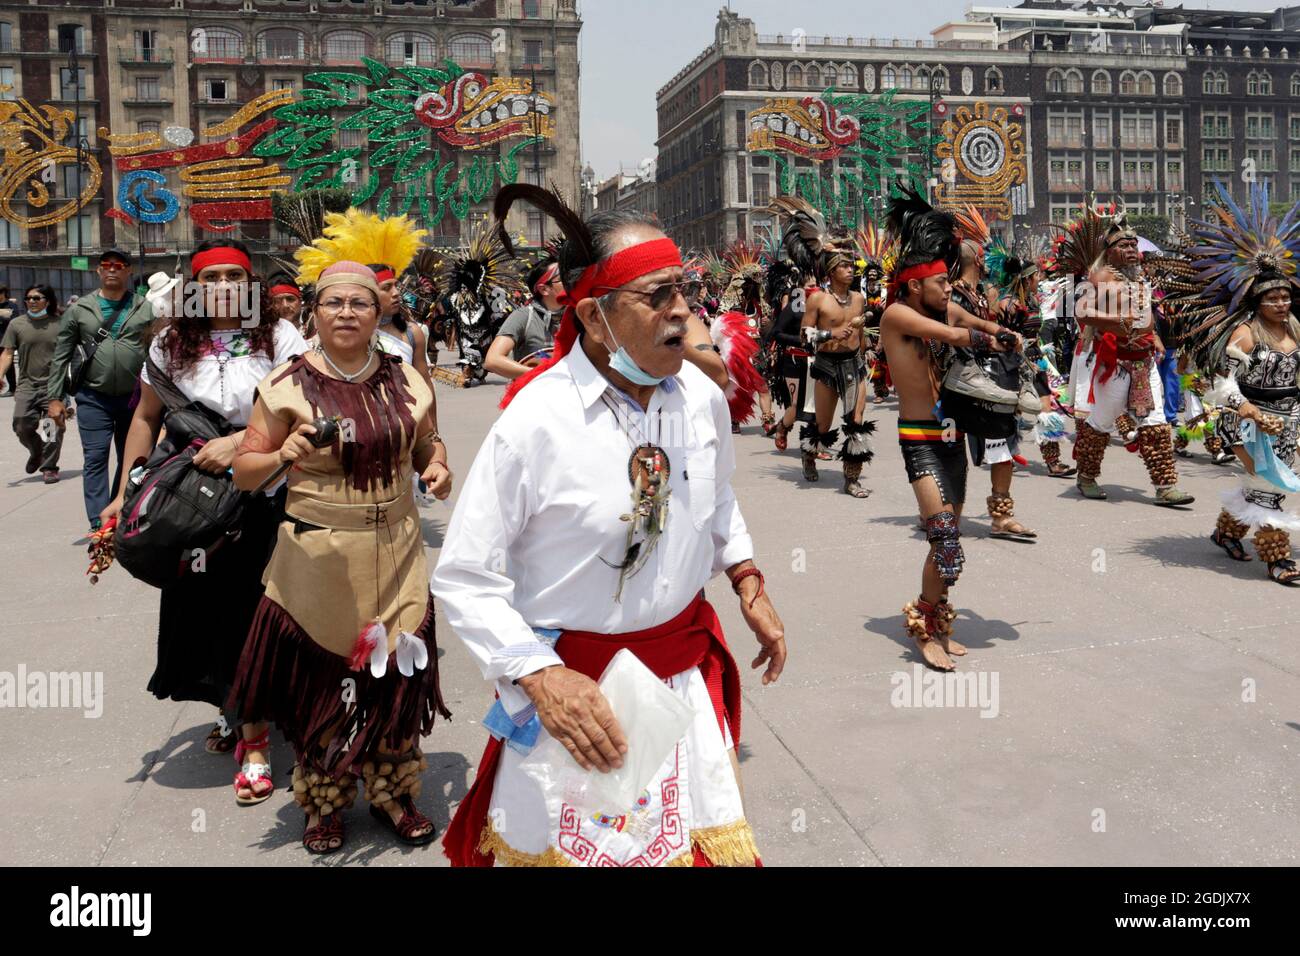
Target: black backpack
{"points": [[175, 517]]}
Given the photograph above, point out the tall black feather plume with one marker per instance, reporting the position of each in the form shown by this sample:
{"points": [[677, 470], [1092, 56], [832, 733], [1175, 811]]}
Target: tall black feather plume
{"points": [[550, 202], [924, 233]]}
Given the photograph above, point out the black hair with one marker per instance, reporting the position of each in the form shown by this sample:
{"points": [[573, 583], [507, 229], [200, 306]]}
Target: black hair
{"points": [[534, 275], [51, 297]]}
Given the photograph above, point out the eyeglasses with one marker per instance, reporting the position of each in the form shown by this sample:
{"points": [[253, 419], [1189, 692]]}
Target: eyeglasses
{"points": [[35, 298], [332, 307], [661, 296]]}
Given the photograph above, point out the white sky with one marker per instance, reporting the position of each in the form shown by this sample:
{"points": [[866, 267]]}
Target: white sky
{"points": [[630, 48]]}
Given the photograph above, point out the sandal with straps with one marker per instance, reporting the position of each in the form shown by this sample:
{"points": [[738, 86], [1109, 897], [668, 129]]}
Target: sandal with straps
{"points": [[326, 836], [781, 436], [219, 741], [251, 774], [412, 820], [1284, 572], [1232, 546]]}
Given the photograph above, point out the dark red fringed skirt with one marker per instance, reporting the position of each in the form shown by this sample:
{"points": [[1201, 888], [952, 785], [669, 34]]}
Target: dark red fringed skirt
{"points": [[292, 681]]}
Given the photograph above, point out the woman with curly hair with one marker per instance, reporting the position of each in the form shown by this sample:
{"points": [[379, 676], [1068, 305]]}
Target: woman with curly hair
{"points": [[216, 359]]}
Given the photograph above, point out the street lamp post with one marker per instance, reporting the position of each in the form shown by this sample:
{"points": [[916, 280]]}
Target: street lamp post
{"points": [[74, 66], [936, 86]]}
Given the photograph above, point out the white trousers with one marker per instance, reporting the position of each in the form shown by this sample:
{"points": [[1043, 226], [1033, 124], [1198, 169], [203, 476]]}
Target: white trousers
{"points": [[1110, 400]]}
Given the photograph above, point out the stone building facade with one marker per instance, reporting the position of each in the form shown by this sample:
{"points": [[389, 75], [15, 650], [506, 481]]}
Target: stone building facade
{"points": [[149, 64]]}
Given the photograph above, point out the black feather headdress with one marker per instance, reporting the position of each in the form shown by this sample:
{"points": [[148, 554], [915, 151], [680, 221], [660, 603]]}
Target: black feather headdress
{"points": [[807, 241], [925, 235], [554, 205]]}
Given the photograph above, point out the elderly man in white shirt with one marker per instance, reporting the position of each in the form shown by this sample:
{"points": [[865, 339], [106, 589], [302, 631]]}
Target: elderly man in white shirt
{"points": [[599, 506]]}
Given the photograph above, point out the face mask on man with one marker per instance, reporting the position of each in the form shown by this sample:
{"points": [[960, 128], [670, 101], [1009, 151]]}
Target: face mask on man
{"points": [[621, 362]]}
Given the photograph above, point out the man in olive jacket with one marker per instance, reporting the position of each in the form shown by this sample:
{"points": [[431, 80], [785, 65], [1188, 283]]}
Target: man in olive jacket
{"points": [[116, 323]]}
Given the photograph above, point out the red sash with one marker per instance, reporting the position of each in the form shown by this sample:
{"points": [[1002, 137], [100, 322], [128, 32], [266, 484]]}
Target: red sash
{"points": [[693, 638]]}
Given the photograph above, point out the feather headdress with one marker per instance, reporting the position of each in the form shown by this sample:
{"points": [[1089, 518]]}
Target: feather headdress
{"points": [[482, 263], [745, 265], [924, 234], [806, 238], [783, 277], [972, 227], [357, 236], [1238, 256], [1079, 245], [875, 246]]}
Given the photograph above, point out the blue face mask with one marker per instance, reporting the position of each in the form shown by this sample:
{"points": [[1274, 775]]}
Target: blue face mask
{"points": [[621, 362], [36, 315]]}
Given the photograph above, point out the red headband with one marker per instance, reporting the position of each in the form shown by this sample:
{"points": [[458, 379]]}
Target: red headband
{"points": [[219, 256], [384, 274], [546, 277], [611, 273], [292, 290], [922, 271]]}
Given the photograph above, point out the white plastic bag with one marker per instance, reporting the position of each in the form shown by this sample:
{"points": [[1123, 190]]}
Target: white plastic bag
{"points": [[653, 720]]}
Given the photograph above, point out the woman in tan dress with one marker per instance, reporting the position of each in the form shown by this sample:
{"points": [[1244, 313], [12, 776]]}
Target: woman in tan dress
{"points": [[341, 654]]}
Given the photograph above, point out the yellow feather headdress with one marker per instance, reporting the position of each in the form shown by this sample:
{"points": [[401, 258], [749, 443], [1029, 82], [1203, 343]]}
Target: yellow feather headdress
{"points": [[363, 237]]}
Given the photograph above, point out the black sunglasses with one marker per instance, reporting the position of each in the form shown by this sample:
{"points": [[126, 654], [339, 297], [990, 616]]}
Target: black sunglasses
{"points": [[661, 296], [35, 298]]}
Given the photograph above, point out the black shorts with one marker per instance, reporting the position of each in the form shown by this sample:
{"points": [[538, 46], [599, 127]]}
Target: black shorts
{"points": [[925, 452]]}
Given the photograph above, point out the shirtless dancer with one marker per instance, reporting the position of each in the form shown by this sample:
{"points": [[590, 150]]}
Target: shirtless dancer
{"points": [[832, 322], [916, 338]]}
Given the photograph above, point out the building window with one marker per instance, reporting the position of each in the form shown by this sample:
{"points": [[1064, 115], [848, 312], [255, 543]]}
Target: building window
{"points": [[1101, 175], [148, 127], [1146, 84], [153, 235], [280, 45], [70, 87], [1065, 174], [146, 88], [993, 80], [1295, 128], [411, 49], [1055, 81], [1259, 126], [1173, 84], [216, 90], [9, 237], [813, 78], [218, 43], [1216, 124], [1263, 157], [794, 76], [532, 53], [532, 10], [1128, 83], [6, 37], [889, 78], [757, 74], [1216, 159], [1101, 83], [1295, 190], [72, 36], [472, 49], [762, 191], [281, 83], [1101, 132], [77, 231], [1259, 83], [1174, 175], [848, 77], [741, 184], [346, 46], [1173, 132], [1295, 84], [7, 91], [1073, 81], [146, 45], [352, 138]]}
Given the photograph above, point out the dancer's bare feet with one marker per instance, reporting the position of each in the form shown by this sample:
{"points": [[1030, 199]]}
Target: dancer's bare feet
{"points": [[933, 654]]}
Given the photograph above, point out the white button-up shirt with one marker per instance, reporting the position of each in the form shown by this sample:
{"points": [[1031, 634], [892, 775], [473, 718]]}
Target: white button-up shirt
{"points": [[539, 516]]}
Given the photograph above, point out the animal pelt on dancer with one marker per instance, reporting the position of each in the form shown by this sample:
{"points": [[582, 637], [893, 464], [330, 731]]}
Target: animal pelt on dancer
{"points": [[738, 347], [815, 442], [857, 448]]}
